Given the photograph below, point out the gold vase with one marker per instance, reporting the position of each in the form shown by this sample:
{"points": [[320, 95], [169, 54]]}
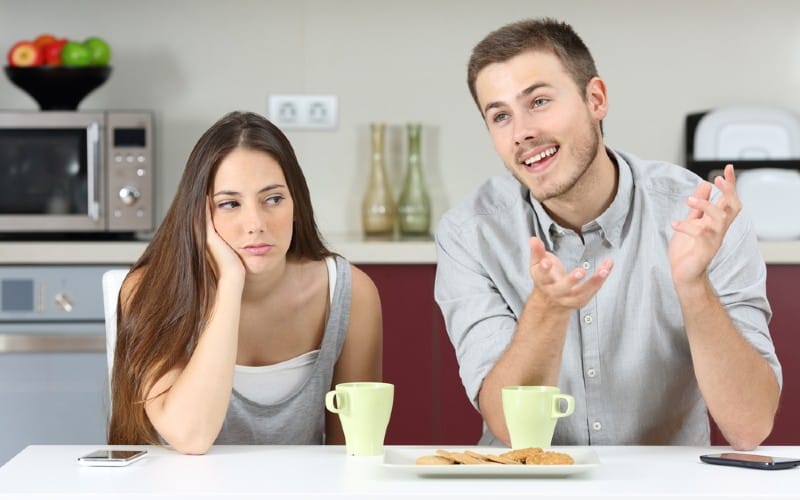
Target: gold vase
{"points": [[378, 212]]}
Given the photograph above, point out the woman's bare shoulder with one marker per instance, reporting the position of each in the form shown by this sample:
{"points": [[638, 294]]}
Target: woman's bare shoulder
{"points": [[364, 291]]}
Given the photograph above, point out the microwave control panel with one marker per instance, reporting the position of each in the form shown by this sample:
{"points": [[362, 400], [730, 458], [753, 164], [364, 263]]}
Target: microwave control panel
{"points": [[129, 151]]}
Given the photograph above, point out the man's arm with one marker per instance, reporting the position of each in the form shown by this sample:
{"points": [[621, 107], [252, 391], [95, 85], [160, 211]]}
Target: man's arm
{"points": [[738, 384], [534, 355]]}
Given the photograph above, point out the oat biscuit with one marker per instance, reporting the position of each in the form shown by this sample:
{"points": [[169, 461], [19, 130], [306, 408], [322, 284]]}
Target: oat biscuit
{"points": [[501, 460], [434, 460], [549, 458], [521, 454], [478, 456], [529, 456], [461, 458]]}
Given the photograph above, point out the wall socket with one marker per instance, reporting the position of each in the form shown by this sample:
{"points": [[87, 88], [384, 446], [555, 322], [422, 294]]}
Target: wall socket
{"points": [[304, 111]]}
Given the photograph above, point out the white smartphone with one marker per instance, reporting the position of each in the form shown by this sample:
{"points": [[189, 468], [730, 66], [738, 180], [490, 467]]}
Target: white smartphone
{"points": [[112, 458]]}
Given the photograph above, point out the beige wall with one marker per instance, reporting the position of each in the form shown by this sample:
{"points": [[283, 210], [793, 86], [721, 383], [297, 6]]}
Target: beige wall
{"points": [[191, 61]]}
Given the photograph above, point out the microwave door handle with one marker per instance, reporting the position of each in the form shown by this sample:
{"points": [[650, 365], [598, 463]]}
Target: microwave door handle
{"points": [[93, 164]]}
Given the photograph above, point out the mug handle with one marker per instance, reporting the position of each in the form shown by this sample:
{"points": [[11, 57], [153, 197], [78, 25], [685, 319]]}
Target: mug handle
{"points": [[330, 402], [557, 407]]}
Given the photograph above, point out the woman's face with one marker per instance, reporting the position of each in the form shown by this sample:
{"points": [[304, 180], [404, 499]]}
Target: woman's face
{"points": [[252, 208]]}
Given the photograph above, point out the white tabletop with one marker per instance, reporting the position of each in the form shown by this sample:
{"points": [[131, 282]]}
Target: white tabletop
{"points": [[315, 471]]}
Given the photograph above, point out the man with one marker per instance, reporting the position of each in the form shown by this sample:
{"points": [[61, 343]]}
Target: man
{"points": [[677, 330]]}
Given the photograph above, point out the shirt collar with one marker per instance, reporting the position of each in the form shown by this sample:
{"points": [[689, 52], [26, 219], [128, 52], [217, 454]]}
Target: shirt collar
{"points": [[610, 222]]}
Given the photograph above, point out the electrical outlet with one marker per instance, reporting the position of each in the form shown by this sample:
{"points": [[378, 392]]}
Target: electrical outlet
{"points": [[304, 111]]}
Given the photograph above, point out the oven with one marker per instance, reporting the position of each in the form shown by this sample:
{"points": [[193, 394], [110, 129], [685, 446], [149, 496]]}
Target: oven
{"points": [[53, 367], [76, 173]]}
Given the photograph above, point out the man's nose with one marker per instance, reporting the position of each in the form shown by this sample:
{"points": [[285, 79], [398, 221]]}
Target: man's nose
{"points": [[525, 128]]}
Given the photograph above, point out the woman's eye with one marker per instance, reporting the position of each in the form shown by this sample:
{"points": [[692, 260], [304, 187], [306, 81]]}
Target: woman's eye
{"points": [[273, 200], [228, 204]]}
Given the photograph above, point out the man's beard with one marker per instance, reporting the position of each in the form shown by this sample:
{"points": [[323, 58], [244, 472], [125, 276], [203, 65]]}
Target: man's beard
{"points": [[583, 152]]}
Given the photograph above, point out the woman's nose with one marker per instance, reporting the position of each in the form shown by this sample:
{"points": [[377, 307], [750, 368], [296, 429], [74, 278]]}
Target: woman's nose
{"points": [[254, 222]]}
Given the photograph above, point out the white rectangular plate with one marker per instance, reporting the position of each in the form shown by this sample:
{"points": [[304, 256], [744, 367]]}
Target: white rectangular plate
{"points": [[404, 458]]}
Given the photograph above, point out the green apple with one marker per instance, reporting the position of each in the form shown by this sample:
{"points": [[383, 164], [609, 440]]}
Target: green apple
{"points": [[75, 54], [99, 50]]}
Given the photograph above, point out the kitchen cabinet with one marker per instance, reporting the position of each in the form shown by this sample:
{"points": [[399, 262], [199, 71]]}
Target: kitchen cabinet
{"points": [[782, 287], [430, 404]]}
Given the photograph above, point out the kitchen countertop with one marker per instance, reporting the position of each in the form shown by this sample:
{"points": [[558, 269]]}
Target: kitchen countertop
{"points": [[354, 247]]}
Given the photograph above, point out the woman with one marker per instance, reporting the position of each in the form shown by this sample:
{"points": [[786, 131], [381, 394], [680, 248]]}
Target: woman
{"points": [[237, 320]]}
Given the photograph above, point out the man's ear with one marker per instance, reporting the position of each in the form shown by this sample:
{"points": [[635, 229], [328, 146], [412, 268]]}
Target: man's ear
{"points": [[596, 97]]}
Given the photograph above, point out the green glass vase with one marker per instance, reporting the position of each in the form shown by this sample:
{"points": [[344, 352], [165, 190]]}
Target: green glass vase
{"points": [[414, 204]]}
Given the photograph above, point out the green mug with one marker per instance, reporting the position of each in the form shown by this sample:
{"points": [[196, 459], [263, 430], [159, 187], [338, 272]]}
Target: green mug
{"points": [[531, 413], [364, 409]]}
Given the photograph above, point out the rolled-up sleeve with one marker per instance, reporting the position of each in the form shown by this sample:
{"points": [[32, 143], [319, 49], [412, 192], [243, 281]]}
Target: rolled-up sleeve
{"points": [[738, 274], [479, 321]]}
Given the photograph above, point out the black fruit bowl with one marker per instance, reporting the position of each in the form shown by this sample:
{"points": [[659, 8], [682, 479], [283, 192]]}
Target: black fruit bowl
{"points": [[58, 87]]}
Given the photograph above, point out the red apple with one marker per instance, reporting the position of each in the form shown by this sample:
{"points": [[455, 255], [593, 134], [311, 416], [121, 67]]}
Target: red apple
{"points": [[44, 39], [25, 53], [52, 52]]}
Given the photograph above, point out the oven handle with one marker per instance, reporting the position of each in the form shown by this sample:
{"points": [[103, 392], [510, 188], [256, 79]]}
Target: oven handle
{"points": [[26, 342], [93, 174]]}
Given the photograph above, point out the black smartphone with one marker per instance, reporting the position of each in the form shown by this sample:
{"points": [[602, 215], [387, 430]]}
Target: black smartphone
{"points": [[112, 458], [750, 460]]}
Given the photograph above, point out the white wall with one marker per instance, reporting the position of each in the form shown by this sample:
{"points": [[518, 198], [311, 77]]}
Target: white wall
{"points": [[192, 61]]}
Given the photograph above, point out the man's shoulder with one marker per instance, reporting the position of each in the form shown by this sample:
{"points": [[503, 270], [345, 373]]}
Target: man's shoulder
{"points": [[660, 177], [497, 197]]}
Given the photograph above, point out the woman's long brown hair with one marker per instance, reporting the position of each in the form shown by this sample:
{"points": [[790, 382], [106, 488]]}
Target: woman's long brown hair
{"points": [[158, 326]]}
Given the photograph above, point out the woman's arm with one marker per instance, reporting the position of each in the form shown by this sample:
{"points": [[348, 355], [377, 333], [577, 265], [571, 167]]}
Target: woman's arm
{"points": [[187, 406], [362, 354]]}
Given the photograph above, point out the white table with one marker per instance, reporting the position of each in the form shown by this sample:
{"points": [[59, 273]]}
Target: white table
{"points": [[316, 471]]}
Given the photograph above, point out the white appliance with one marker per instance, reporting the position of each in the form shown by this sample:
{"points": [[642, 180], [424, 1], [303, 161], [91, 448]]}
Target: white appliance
{"points": [[53, 377]]}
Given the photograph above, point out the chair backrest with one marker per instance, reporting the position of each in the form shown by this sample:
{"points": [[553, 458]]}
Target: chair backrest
{"points": [[112, 281]]}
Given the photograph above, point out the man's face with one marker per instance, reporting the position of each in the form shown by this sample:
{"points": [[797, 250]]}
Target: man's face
{"points": [[544, 130]]}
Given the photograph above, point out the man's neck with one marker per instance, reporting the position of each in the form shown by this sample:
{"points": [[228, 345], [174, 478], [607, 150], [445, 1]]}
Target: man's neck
{"points": [[589, 197]]}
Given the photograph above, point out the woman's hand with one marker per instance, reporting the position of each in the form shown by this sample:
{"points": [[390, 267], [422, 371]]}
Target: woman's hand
{"points": [[224, 260]]}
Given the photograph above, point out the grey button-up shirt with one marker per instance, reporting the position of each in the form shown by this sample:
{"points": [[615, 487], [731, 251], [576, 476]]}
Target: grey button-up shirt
{"points": [[626, 358]]}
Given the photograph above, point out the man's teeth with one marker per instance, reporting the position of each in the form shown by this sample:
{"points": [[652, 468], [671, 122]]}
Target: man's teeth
{"points": [[544, 154]]}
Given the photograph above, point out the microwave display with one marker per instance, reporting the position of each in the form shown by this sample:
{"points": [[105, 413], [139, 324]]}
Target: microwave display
{"points": [[44, 171], [130, 137]]}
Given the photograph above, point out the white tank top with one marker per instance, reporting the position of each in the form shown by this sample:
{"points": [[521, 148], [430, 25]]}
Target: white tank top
{"points": [[270, 384]]}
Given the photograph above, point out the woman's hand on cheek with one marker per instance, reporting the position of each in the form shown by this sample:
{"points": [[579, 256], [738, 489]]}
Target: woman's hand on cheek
{"points": [[225, 261]]}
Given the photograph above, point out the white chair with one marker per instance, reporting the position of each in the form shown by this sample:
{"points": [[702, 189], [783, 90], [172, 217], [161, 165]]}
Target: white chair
{"points": [[112, 281]]}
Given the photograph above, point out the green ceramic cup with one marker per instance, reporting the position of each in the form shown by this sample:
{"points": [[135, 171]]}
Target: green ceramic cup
{"points": [[531, 413], [364, 409]]}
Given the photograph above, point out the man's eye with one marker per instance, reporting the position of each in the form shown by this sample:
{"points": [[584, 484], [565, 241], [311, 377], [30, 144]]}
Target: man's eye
{"points": [[541, 101], [500, 117]]}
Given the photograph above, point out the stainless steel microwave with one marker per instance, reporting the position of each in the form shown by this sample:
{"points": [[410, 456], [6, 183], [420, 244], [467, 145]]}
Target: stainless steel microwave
{"points": [[76, 172]]}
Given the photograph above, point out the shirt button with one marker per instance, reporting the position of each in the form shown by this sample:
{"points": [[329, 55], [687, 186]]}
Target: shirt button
{"points": [[586, 265], [597, 426], [591, 372], [588, 319]]}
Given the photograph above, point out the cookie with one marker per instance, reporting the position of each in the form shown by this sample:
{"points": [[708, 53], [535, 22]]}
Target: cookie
{"points": [[434, 460]]}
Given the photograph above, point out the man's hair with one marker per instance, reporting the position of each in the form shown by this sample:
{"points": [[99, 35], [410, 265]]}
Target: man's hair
{"points": [[544, 35]]}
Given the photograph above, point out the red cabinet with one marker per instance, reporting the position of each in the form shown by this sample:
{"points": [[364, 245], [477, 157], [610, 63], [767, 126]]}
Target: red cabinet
{"points": [[430, 404], [782, 288]]}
